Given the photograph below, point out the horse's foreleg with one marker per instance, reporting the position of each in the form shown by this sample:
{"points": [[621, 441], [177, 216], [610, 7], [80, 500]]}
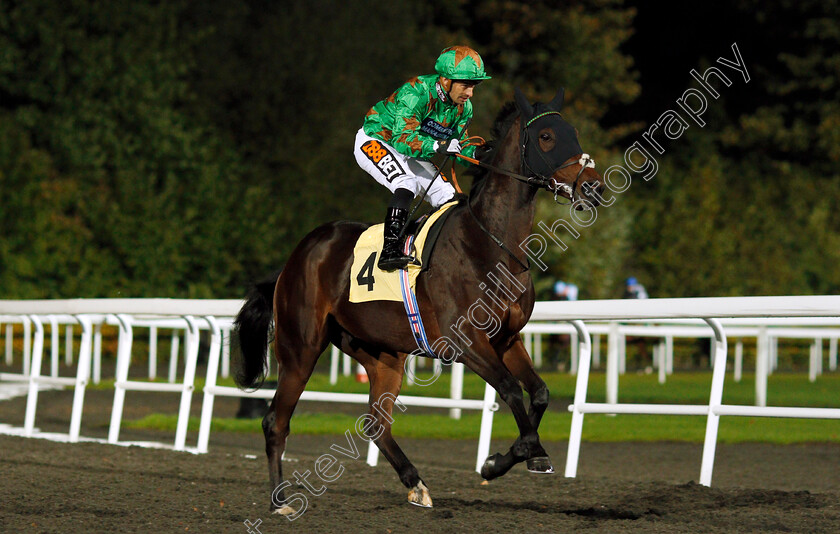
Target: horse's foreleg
{"points": [[516, 359], [488, 366]]}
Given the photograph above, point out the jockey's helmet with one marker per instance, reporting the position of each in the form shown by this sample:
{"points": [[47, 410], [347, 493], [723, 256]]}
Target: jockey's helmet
{"points": [[460, 63]]}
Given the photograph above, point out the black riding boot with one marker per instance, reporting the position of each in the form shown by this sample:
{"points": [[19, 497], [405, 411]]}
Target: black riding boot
{"points": [[392, 257]]}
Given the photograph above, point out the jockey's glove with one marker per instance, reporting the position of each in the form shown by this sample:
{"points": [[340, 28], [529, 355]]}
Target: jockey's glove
{"points": [[452, 146]]}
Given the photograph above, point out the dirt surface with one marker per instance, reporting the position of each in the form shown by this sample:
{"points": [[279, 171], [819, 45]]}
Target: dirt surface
{"points": [[621, 487]]}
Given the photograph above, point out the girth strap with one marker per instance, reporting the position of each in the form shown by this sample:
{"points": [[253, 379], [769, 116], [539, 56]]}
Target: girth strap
{"points": [[412, 310]]}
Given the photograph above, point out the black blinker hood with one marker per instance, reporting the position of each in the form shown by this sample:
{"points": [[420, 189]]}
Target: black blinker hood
{"points": [[538, 117]]}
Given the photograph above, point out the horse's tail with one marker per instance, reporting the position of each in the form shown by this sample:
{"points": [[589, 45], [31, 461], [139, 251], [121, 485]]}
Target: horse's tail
{"points": [[253, 323]]}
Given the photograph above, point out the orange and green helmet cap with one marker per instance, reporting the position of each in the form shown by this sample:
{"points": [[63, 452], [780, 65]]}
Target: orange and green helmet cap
{"points": [[461, 63]]}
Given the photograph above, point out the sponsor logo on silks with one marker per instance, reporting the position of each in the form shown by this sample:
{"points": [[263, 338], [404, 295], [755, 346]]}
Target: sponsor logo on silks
{"points": [[436, 129], [384, 161]]}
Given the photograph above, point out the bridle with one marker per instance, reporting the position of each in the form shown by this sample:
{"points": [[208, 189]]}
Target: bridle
{"points": [[549, 183], [535, 178]]}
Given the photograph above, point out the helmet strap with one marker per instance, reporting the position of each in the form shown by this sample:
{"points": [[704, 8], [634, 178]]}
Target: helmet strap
{"points": [[443, 86]]}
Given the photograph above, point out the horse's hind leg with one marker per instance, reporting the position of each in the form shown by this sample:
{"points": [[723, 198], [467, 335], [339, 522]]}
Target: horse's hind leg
{"points": [[294, 374], [518, 362], [385, 374]]}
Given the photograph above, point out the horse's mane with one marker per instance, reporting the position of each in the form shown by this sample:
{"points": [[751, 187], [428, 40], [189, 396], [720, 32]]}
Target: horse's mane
{"points": [[504, 120]]}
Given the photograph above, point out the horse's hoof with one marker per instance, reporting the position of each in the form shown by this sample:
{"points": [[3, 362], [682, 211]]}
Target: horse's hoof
{"points": [[488, 470], [419, 496], [285, 510], [540, 464]]}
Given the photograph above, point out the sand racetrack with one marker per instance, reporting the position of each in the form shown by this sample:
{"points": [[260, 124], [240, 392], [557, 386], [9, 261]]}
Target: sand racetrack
{"points": [[621, 487]]}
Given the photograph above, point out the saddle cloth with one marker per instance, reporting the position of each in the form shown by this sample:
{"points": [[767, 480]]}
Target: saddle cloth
{"points": [[368, 282]]}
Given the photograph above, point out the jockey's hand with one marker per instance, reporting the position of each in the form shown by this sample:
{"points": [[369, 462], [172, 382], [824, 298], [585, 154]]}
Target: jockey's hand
{"points": [[449, 147]]}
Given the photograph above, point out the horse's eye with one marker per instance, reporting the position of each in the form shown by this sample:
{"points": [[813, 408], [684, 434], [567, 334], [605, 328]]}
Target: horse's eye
{"points": [[545, 137]]}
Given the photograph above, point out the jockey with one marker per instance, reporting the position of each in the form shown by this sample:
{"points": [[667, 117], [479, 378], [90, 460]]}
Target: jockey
{"points": [[428, 115]]}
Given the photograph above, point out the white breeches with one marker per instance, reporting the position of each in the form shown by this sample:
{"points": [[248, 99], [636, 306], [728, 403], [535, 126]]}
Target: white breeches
{"points": [[397, 171]]}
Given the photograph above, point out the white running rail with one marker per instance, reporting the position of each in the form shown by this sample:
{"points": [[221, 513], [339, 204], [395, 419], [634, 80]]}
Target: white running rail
{"points": [[709, 310], [179, 314]]}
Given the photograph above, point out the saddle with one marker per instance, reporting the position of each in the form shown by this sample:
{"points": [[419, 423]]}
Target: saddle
{"points": [[369, 283]]}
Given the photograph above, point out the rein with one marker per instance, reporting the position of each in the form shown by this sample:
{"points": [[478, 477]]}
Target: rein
{"points": [[496, 240]]}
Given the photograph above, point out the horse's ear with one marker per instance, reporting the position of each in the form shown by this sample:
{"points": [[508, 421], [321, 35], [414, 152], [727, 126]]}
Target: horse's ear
{"points": [[557, 102], [522, 103]]}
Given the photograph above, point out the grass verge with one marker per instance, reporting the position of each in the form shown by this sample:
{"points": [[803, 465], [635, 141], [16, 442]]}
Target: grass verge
{"points": [[684, 388], [554, 427]]}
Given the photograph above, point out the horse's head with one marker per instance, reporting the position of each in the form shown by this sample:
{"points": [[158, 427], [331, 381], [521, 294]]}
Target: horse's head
{"points": [[551, 153]]}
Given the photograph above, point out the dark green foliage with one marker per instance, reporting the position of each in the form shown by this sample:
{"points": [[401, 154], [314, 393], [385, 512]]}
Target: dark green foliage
{"points": [[748, 204], [126, 195], [182, 148]]}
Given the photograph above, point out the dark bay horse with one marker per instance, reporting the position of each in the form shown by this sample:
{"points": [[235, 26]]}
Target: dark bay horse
{"points": [[309, 306]]}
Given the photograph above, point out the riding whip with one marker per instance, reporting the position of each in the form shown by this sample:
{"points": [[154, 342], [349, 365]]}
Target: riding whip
{"points": [[442, 165]]}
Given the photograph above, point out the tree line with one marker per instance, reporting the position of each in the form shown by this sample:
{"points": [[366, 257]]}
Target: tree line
{"points": [[182, 149]]}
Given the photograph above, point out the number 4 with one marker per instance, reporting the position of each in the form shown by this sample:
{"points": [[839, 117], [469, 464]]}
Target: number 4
{"points": [[365, 276]]}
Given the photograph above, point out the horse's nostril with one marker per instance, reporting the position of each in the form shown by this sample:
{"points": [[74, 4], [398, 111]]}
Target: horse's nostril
{"points": [[593, 192]]}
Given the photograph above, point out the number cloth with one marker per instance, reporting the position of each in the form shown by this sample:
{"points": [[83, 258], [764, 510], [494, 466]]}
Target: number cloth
{"points": [[367, 282]]}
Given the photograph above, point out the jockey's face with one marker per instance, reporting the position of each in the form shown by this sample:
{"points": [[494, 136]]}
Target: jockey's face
{"points": [[460, 92]]}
